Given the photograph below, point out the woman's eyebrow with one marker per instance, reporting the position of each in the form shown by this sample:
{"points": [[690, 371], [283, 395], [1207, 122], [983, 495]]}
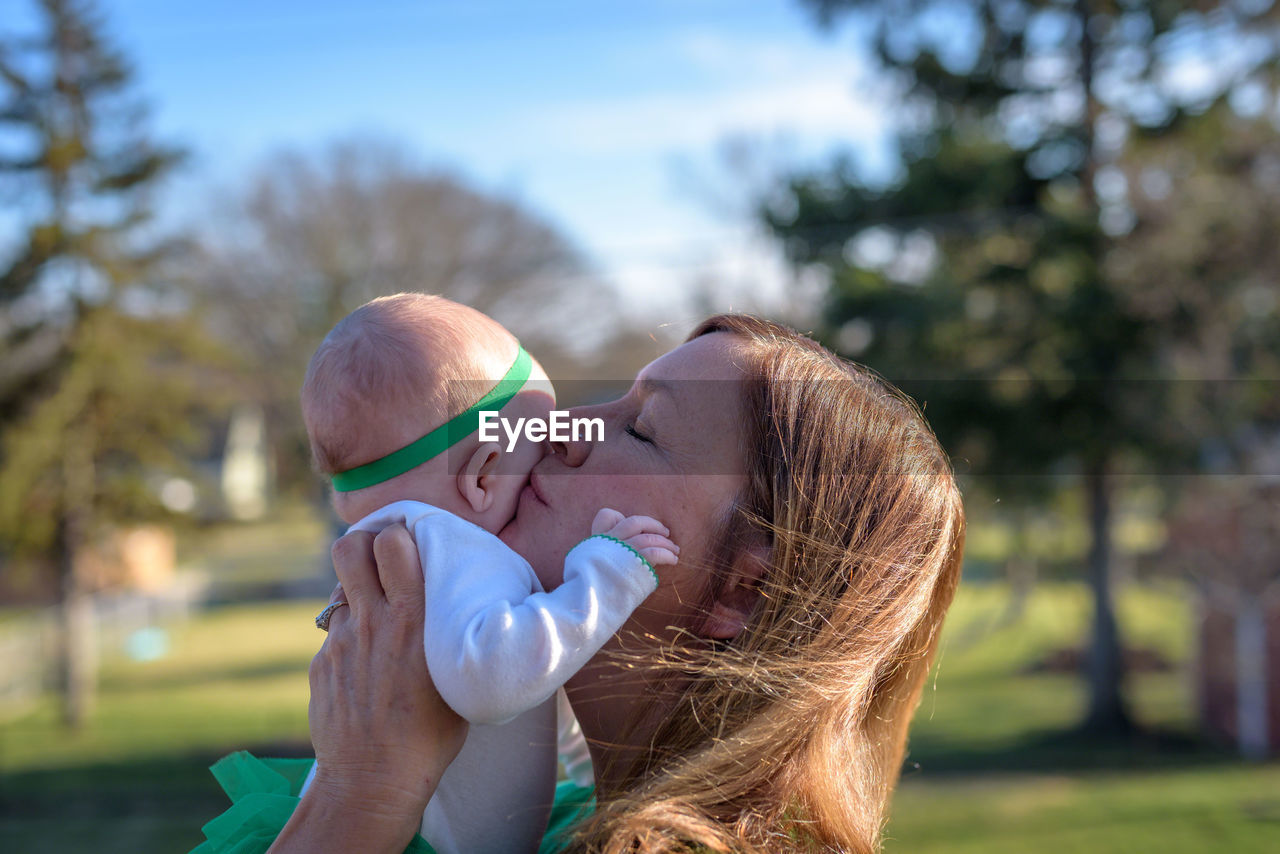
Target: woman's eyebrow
{"points": [[648, 386]]}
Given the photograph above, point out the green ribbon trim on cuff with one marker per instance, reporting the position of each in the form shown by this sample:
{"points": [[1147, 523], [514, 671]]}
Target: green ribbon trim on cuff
{"points": [[628, 547], [440, 439]]}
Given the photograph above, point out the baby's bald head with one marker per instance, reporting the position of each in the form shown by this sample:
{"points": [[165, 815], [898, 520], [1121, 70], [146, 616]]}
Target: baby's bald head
{"points": [[384, 376]]}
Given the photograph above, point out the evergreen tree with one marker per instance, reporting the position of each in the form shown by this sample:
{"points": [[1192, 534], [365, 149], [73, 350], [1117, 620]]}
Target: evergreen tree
{"points": [[991, 264], [97, 389]]}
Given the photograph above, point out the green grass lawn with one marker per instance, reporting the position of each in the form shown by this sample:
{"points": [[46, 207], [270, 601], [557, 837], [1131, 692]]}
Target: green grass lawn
{"points": [[1174, 810], [993, 767], [136, 780]]}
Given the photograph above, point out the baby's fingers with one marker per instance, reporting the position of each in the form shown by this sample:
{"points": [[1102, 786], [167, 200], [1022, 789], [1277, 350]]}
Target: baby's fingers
{"points": [[605, 519], [633, 525], [659, 556], [640, 542]]}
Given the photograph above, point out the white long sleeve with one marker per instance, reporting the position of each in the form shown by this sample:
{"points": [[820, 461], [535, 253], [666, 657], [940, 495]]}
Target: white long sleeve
{"points": [[571, 744], [496, 643]]}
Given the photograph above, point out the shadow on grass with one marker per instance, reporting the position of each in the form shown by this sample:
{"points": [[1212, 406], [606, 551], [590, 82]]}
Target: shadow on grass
{"points": [[159, 804], [104, 788], [145, 805], [181, 781], [1064, 751]]}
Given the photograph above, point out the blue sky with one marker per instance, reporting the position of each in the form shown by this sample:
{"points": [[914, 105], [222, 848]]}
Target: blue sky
{"points": [[605, 117]]}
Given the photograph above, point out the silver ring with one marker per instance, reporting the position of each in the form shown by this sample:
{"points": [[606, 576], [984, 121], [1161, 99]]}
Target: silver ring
{"points": [[322, 619]]}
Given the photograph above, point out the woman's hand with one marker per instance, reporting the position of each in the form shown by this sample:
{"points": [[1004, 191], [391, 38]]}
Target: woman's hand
{"points": [[382, 735]]}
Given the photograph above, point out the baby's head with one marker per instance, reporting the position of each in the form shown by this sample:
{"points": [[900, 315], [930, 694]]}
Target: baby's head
{"points": [[399, 367]]}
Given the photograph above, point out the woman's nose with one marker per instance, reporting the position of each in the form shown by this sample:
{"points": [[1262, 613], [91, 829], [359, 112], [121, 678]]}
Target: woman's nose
{"points": [[575, 451]]}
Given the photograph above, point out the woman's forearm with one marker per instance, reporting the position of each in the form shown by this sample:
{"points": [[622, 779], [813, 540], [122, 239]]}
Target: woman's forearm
{"points": [[330, 819]]}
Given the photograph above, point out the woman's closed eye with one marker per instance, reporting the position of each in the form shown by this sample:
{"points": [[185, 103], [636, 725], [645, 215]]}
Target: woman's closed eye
{"points": [[631, 431]]}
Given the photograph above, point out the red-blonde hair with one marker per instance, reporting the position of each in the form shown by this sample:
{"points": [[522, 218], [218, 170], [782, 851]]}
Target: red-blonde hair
{"points": [[791, 736]]}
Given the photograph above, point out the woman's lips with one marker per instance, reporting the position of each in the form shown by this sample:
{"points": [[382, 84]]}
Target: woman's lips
{"points": [[530, 493]]}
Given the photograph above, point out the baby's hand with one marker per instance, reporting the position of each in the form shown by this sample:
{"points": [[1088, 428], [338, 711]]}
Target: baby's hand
{"points": [[645, 534]]}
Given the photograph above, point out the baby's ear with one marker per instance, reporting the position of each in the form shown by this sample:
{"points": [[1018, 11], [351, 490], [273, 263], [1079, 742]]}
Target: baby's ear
{"points": [[473, 479]]}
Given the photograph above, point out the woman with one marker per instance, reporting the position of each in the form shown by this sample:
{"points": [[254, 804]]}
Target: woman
{"points": [[759, 700]]}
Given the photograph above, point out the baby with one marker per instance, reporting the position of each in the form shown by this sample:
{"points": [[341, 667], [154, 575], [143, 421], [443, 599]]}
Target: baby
{"points": [[391, 402]]}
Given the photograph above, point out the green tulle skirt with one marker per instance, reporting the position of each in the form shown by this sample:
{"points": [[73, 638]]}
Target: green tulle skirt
{"points": [[264, 793]]}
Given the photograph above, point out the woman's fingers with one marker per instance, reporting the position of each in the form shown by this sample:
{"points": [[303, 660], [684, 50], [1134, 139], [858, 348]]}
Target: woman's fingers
{"points": [[354, 564], [399, 570], [372, 570], [338, 618]]}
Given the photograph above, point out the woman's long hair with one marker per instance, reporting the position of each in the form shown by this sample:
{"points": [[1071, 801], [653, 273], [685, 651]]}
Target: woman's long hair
{"points": [[790, 737]]}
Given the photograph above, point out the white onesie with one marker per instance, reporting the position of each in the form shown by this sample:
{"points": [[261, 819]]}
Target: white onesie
{"points": [[498, 648]]}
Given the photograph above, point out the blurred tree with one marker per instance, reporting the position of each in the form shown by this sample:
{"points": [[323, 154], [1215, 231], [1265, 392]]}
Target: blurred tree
{"points": [[96, 390], [986, 277], [1223, 537], [1201, 258], [1204, 254], [311, 237]]}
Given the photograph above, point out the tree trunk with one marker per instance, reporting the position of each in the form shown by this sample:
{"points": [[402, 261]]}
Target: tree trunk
{"points": [[79, 630], [79, 646], [1252, 737], [1107, 711]]}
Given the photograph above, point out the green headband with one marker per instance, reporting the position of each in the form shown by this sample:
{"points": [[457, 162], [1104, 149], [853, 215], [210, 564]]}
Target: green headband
{"points": [[440, 439]]}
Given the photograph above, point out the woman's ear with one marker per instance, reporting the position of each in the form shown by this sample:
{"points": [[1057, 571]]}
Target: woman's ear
{"points": [[737, 600], [473, 478]]}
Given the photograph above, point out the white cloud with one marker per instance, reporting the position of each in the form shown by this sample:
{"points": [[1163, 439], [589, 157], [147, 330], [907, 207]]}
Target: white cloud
{"points": [[726, 87], [822, 107], [651, 237], [736, 268], [713, 53]]}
